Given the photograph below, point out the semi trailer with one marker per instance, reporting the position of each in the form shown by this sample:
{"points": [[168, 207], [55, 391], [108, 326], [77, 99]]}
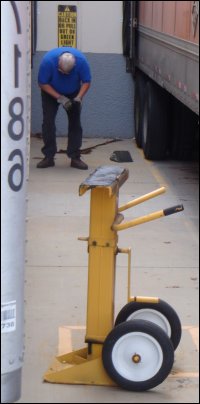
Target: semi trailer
{"points": [[161, 46]]}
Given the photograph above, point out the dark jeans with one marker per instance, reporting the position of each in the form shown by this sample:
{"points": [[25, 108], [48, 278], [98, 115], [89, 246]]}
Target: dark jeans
{"points": [[50, 108]]}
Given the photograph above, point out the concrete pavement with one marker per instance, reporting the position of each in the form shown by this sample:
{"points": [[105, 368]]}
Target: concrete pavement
{"points": [[164, 264]]}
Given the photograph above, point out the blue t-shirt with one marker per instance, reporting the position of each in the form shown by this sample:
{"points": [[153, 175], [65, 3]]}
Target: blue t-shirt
{"points": [[65, 84]]}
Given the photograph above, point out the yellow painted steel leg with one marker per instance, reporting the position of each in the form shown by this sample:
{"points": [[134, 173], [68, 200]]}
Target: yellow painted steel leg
{"points": [[101, 274], [78, 368]]}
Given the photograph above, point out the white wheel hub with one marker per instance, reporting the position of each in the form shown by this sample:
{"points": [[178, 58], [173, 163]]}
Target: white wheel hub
{"points": [[154, 316], [137, 356]]}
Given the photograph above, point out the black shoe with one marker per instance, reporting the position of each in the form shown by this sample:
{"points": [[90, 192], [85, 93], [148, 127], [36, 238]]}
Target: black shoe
{"points": [[46, 162], [78, 163]]}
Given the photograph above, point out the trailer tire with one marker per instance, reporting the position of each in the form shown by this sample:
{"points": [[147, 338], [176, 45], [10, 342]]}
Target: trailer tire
{"points": [[137, 355], [155, 128], [185, 126], [160, 313]]}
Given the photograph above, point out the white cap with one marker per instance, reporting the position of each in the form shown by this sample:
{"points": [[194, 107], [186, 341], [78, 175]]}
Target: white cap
{"points": [[66, 62]]}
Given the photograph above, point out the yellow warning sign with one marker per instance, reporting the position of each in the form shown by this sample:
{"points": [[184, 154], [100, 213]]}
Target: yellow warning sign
{"points": [[67, 26]]}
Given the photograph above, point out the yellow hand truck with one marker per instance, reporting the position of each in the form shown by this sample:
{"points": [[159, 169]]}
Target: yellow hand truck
{"points": [[136, 352]]}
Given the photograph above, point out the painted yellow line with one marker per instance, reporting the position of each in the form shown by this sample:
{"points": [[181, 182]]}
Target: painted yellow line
{"points": [[185, 374], [65, 337], [155, 172], [76, 327], [159, 178], [194, 332], [191, 228], [64, 340], [163, 182]]}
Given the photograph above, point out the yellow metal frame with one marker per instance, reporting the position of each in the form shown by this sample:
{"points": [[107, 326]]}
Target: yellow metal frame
{"points": [[85, 366]]}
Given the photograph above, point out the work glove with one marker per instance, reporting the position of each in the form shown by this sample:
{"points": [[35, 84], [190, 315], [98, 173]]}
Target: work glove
{"points": [[78, 99], [66, 102]]}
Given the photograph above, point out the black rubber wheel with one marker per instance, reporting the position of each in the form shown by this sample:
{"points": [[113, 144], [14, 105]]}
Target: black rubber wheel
{"points": [[155, 130], [160, 313], [184, 129], [137, 355]]}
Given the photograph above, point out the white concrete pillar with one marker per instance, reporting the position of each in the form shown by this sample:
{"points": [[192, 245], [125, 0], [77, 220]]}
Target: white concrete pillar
{"points": [[15, 134]]}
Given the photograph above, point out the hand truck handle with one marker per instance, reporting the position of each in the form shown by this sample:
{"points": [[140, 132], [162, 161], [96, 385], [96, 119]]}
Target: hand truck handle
{"points": [[141, 199], [173, 209], [147, 218]]}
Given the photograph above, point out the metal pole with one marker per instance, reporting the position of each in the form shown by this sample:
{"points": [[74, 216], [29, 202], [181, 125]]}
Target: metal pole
{"points": [[15, 90]]}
